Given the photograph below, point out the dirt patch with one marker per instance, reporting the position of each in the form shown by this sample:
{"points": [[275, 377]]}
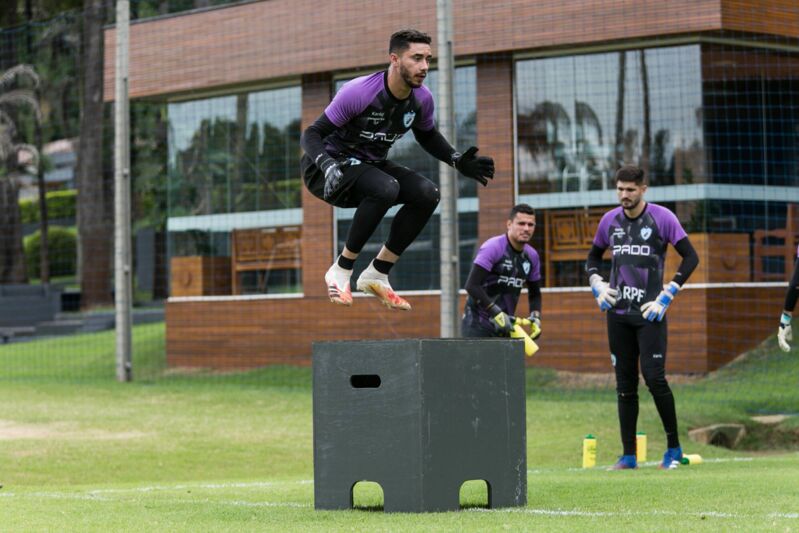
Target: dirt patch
{"points": [[768, 437], [10, 430]]}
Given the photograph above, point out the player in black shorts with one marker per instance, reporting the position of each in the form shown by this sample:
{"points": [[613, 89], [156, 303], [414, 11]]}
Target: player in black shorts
{"points": [[636, 300], [345, 163]]}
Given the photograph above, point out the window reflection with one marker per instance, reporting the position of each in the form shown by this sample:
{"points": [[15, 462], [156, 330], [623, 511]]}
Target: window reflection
{"points": [[234, 189], [580, 117], [235, 153]]}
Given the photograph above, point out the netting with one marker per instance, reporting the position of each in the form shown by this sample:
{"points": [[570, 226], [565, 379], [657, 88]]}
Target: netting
{"points": [[230, 247]]}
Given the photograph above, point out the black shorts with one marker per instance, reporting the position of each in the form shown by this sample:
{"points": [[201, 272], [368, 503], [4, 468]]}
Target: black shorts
{"points": [[314, 178]]}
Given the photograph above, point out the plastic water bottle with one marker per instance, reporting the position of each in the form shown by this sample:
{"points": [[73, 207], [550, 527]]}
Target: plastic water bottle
{"points": [[640, 447], [691, 459], [589, 451]]}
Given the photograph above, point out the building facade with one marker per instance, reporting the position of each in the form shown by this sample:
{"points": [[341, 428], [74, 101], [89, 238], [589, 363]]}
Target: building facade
{"points": [[701, 94]]}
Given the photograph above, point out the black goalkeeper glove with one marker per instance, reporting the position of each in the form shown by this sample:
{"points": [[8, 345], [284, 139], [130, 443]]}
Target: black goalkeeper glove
{"points": [[333, 175], [500, 319], [478, 168]]}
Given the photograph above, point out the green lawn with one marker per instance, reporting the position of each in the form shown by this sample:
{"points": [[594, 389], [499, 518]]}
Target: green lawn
{"points": [[234, 453]]}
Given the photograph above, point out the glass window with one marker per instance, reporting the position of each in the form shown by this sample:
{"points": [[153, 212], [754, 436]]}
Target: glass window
{"points": [[234, 193], [580, 117], [234, 154], [752, 115]]}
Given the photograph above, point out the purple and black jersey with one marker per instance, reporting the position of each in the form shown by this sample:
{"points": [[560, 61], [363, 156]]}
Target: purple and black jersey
{"points": [[370, 119], [639, 251], [508, 271]]}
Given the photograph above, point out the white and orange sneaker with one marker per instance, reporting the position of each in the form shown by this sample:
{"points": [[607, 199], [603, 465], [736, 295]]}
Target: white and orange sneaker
{"points": [[337, 280], [373, 282]]}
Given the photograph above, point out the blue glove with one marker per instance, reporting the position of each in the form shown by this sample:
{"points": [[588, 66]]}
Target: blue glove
{"points": [[785, 333], [656, 309], [605, 296]]}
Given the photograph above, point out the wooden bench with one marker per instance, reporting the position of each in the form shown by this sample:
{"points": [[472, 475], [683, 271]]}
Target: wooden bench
{"points": [[264, 249], [568, 237]]}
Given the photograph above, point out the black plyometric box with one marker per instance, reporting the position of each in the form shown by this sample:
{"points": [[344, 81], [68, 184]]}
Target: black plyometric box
{"points": [[420, 417]]}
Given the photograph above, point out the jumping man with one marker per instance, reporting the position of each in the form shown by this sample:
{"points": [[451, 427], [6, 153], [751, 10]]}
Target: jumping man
{"points": [[345, 163]]}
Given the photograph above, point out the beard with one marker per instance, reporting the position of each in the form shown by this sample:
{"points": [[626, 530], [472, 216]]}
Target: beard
{"points": [[631, 204], [408, 78]]}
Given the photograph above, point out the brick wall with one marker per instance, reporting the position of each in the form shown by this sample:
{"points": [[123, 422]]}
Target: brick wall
{"points": [[277, 39]]}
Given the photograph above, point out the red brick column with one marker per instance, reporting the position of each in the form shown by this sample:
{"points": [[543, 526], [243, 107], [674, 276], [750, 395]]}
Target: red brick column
{"points": [[495, 138], [317, 216]]}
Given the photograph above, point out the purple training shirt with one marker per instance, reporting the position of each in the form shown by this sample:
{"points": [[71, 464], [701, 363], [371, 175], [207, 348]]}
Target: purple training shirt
{"points": [[370, 119], [508, 271], [639, 252]]}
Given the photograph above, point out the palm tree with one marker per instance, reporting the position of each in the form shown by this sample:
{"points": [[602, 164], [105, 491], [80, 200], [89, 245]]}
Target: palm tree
{"points": [[12, 97], [95, 223]]}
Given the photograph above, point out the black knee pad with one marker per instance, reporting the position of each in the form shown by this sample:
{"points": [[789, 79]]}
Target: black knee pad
{"points": [[629, 395], [430, 196]]}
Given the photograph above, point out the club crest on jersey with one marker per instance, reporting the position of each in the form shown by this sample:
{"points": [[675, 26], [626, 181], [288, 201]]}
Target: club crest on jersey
{"points": [[407, 119], [526, 267], [646, 232]]}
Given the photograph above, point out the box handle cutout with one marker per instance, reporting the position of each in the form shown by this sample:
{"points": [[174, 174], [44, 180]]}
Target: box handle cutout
{"points": [[365, 381]]}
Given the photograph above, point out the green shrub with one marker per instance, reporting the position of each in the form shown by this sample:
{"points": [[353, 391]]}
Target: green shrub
{"points": [[60, 205], [63, 251]]}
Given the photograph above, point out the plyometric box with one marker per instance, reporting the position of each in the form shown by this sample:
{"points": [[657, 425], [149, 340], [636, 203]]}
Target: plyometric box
{"points": [[419, 417]]}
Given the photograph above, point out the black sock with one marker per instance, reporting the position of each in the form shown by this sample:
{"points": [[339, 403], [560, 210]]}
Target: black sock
{"points": [[668, 415], [345, 262], [384, 267], [628, 419]]}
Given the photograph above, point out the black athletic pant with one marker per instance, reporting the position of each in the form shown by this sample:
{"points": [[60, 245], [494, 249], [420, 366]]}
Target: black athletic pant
{"points": [[373, 188], [632, 338]]}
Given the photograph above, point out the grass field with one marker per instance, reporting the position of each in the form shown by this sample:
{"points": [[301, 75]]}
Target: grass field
{"points": [[234, 453]]}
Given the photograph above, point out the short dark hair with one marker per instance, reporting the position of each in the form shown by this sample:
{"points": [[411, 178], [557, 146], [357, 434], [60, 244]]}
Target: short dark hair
{"points": [[629, 173], [526, 209], [401, 40]]}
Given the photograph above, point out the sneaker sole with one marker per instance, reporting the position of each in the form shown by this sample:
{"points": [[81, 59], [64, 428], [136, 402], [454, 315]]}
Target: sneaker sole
{"points": [[339, 301], [376, 290]]}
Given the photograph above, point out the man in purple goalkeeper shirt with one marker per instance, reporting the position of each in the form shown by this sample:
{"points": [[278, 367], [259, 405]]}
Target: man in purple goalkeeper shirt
{"points": [[503, 265], [785, 332], [345, 163], [638, 232]]}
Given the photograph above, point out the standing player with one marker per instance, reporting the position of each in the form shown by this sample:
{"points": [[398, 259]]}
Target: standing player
{"points": [[504, 264], [785, 333], [345, 163], [638, 233]]}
